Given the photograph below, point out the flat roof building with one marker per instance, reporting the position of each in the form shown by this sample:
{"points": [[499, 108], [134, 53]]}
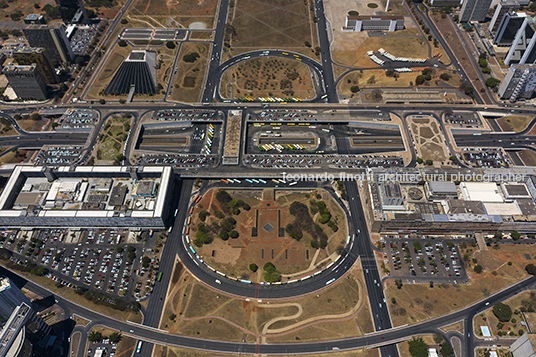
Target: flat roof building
{"points": [[67, 200], [440, 189], [10, 298], [34, 19], [474, 10], [502, 9], [519, 82], [29, 55], [53, 38], [27, 81], [525, 346], [385, 22], [481, 191], [72, 11], [508, 27]]}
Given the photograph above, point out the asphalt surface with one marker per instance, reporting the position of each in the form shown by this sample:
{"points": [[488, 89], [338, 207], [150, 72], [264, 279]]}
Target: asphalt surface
{"points": [[386, 337], [324, 44], [213, 77]]}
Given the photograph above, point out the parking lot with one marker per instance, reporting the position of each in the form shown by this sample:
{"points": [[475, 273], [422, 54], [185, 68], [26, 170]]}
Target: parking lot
{"points": [[430, 259], [82, 38], [109, 260], [59, 155], [185, 160], [78, 119], [188, 115], [464, 119], [489, 157], [184, 138]]}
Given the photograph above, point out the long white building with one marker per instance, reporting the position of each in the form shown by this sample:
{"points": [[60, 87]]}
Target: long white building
{"points": [[519, 83]]}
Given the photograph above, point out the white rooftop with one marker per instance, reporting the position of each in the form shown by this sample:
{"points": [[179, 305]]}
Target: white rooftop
{"points": [[481, 191]]}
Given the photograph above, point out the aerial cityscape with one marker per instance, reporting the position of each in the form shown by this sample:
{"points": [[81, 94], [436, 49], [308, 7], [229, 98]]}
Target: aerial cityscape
{"points": [[229, 178]]}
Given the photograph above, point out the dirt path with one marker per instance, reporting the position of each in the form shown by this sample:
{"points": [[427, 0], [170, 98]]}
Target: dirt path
{"points": [[280, 318]]}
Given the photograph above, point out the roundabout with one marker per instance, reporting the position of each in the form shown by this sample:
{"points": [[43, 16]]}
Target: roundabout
{"points": [[234, 285]]}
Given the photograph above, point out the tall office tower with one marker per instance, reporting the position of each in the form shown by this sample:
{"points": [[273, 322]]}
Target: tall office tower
{"points": [[10, 298], [474, 10], [503, 8], [28, 55], [507, 30], [523, 49], [52, 37], [23, 334], [27, 81], [72, 11], [520, 82]]}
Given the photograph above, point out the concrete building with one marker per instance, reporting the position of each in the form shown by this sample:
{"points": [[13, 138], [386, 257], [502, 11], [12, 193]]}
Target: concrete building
{"points": [[507, 29], [385, 22], [440, 189], [10, 298], [72, 11], [474, 10], [79, 197], [137, 74], [525, 346], [52, 37], [503, 8], [519, 82], [28, 55], [34, 19], [523, 49], [445, 3], [391, 196], [27, 81]]}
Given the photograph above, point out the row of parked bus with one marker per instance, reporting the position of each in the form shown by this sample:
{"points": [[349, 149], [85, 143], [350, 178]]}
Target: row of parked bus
{"points": [[280, 148]]}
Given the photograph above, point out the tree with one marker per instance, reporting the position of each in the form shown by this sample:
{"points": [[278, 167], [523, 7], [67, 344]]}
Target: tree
{"points": [[420, 80], [431, 283], [271, 274], [530, 269], [482, 62], [515, 235], [446, 350], [170, 45], [419, 160], [172, 317], [486, 70], [95, 336], [445, 76], [203, 215], [393, 300], [233, 234], [492, 82], [145, 261], [354, 89], [115, 337], [502, 311], [102, 101], [307, 43], [398, 283], [417, 347], [122, 43], [224, 235], [190, 57], [122, 101], [253, 267], [35, 116], [478, 269], [438, 338], [119, 249], [124, 21]]}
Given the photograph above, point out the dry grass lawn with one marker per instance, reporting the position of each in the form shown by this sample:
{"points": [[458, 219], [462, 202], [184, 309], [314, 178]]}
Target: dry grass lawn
{"points": [[178, 13], [269, 77], [528, 157], [163, 351], [419, 302], [514, 122], [397, 46], [403, 347], [189, 80]]}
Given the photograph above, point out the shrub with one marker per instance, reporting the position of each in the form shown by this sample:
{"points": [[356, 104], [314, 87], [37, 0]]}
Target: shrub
{"points": [[502, 311], [530, 269], [445, 76], [190, 57]]}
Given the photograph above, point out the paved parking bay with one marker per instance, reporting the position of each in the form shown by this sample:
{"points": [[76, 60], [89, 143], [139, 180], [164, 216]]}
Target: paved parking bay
{"points": [[424, 259]]}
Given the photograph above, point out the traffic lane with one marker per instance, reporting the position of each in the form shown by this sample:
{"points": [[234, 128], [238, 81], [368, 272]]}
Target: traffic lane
{"points": [[385, 337], [368, 260]]}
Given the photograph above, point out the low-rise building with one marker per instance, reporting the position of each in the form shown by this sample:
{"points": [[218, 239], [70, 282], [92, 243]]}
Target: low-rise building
{"points": [[384, 22], [525, 346]]}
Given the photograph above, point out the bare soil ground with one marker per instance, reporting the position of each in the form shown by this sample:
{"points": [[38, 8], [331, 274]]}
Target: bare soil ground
{"points": [[180, 13], [254, 24], [189, 80], [515, 123], [528, 157], [269, 77]]}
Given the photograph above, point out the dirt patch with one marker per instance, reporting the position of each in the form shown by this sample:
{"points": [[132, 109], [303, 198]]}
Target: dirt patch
{"points": [[269, 77], [189, 82], [515, 123]]}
